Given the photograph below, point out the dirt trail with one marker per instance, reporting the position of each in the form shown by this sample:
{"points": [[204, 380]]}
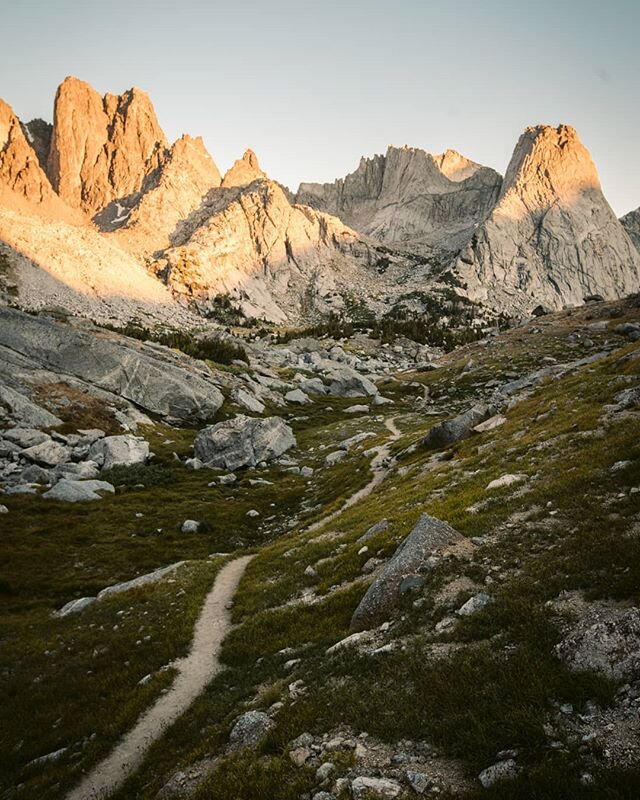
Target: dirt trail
{"points": [[195, 672], [380, 470]]}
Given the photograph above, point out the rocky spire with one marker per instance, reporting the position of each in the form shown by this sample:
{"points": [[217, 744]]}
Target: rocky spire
{"points": [[23, 183], [245, 170], [102, 148], [169, 198], [552, 237]]}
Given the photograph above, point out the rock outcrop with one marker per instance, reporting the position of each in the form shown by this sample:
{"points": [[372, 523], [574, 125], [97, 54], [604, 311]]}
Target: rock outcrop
{"points": [[250, 243], [552, 238], [631, 223], [243, 442], [156, 380], [154, 218], [244, 171], [409, 196], [429, 538], [102, 148]]}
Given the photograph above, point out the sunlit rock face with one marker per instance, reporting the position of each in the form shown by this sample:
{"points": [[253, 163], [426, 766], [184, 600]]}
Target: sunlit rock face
{"points": [[150, 220], [410, 197], [249, 242], [24, 187], [102, 148], [552, 238], [244, 171]]}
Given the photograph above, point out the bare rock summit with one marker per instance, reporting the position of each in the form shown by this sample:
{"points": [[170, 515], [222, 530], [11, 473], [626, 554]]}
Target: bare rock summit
{"points": [[552, 238]]}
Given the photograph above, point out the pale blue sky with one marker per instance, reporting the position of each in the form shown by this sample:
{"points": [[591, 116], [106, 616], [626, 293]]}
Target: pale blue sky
{"points": [[312, 85]]}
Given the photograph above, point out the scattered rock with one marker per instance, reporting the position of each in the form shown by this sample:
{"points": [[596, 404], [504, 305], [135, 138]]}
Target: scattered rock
{"points": [[430, 537], [249, 730], [502, 770]]}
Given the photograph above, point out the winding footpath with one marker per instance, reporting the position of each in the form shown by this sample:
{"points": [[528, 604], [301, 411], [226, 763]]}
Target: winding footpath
{"points": [[201, 665], [380, 470], [194, 673]]}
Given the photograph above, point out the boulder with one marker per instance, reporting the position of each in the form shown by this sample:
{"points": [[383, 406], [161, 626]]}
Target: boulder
{"points": [[429, 538], [505, 480], [359, 408], [119, 451], [335, 458], [346, 382], [297, 396], [502, 770], [35, 474], [85, 470], [473, 604], [155, 380], [366, 788], [247, 400], [78, 491], [249, 730], [243, 442], [452, 430], [47, 454], [25, 437], [490, 424], [313, 386]]}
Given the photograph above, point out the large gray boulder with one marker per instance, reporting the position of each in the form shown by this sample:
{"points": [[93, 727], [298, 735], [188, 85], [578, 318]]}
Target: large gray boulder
{"points": [[47, 453], [428, 539], [346, 382], [117, 451], [452, 430], [243, 442], [157, 380], [71, 491]]}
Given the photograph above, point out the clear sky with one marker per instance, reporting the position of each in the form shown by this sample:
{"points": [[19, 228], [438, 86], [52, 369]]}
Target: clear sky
{"points": [[311, 85]]}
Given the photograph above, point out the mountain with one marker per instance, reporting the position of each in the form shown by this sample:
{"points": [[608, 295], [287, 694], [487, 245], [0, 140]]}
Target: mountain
{"points": [[133, 225], [102, 148], [631, 223], [410, 197], [24, 186], [272, 257], [148, 221], [551, 238]]}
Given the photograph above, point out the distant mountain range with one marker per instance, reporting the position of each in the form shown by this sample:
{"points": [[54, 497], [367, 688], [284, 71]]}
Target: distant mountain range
{"points": [[99, 214]]}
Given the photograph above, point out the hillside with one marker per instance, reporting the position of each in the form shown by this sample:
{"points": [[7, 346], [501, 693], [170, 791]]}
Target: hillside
{"points": [[498, 651]]}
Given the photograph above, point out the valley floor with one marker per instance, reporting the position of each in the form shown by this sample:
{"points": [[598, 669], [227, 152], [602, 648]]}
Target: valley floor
{"points": [[420, 705]]}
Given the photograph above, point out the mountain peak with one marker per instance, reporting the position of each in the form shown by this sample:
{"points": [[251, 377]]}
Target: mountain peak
{"points": [[102, 148], [244, 171], [552, 237]]}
